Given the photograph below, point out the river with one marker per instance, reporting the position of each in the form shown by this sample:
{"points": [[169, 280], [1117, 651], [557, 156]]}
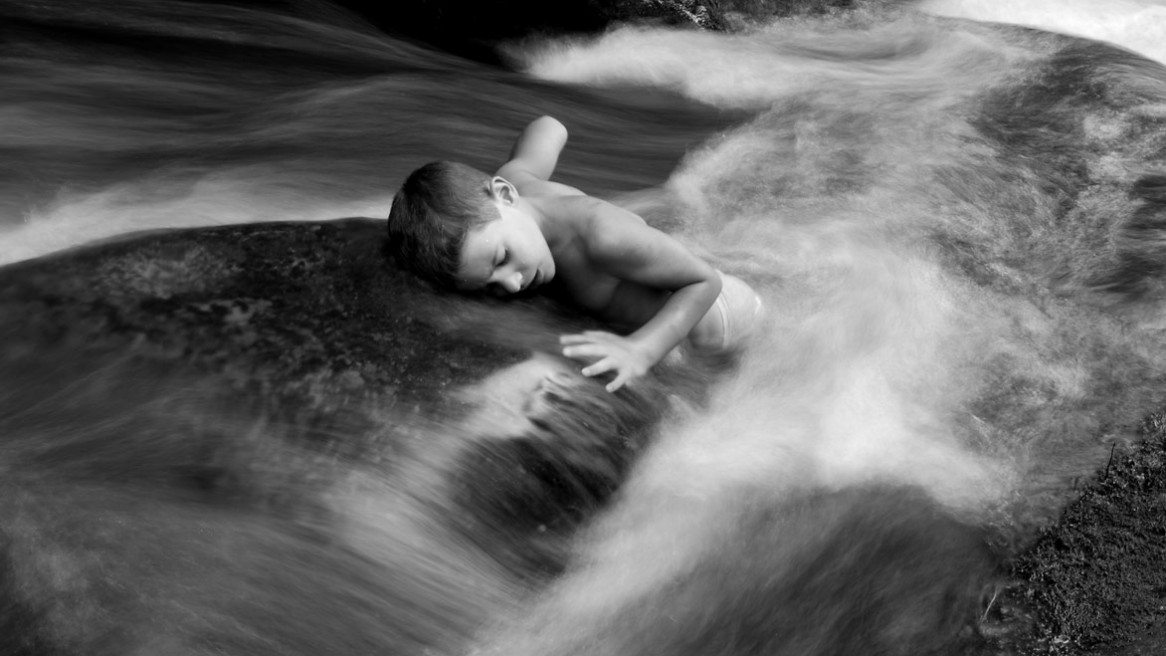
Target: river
{"points": [[949, 333]]}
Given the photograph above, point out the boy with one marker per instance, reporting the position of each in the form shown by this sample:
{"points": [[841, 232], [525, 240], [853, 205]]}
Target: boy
{"points": [[518, 231]]}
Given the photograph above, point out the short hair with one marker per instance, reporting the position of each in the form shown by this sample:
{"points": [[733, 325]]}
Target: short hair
{"points": [[432, 212]]}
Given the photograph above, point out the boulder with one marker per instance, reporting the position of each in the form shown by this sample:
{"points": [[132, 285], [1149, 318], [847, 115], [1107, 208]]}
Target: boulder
{"points": [[267, 422]]}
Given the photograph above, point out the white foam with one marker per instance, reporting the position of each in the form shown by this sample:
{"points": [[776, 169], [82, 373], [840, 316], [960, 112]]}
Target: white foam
{"points": [[227, 197], [751, 70], [1139, 25]]}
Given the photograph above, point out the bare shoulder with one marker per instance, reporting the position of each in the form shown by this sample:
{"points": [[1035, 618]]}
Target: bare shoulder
{"points": [[619, 243], [607, 228], [602, 216], [530, 185]]}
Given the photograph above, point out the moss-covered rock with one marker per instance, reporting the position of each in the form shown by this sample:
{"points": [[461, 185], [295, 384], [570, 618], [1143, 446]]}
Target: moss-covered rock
{"points": [[1095, 581]]}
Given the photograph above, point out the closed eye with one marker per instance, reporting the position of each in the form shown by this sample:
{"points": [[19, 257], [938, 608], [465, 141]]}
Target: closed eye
{"points": [[505, 258]]}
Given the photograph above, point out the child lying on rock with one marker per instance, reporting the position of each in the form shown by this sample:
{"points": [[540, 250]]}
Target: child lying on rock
{"points": [[517, 231]]}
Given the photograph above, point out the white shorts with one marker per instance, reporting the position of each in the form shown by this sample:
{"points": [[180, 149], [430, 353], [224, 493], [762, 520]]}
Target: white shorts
{"points": [[733, 318]]}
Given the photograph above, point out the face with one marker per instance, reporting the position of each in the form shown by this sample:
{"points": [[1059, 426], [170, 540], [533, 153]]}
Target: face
{"points": [[507, 255]]}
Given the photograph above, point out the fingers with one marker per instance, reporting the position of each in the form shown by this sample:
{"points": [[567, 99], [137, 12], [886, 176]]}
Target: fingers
{"points": [[622, 376], [606, 352], [603, 366], [617, 383], [591, 345], [589, 336], [606, 365], [586, 352]]}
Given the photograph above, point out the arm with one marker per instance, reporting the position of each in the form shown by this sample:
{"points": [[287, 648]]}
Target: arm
{"points": [[620, 243], [536, 152]]}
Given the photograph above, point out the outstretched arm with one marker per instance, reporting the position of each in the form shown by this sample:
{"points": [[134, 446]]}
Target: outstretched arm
{"points": [[536, 152], [621, 244]]}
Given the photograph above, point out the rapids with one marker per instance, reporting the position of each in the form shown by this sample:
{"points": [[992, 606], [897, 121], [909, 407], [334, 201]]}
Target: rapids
{"points": [[954, 223]]}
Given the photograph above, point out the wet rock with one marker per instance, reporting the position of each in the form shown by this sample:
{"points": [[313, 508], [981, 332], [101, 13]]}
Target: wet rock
{"points": [[1094, 582], [268, 421]]}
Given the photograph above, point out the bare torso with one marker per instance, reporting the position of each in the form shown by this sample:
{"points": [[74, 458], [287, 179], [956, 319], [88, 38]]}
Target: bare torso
{"points": [[607, 260], [577, 276]]}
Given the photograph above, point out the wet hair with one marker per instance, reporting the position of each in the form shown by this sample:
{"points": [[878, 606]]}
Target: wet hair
{"points": [[436, 206]]}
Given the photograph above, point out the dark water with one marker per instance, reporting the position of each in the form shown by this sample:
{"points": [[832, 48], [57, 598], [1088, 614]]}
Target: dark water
{"points": [[231, 115], [955, 227]]}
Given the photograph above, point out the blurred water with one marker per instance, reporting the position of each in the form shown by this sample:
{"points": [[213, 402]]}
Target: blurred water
{"points": [[832, 199], [827, 162], [190, 114], [1139, 25]]}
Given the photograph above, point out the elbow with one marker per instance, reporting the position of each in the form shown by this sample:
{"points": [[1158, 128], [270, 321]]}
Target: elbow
{"points": [[553, 126], [715, 285], [713, 280]]}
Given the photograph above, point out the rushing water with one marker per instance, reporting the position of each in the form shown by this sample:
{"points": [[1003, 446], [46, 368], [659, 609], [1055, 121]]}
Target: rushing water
{"points": [[934, 325]]}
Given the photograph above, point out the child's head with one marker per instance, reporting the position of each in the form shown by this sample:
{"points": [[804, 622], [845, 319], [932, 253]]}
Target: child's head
{"points": [[461, 228], [435, 208]]}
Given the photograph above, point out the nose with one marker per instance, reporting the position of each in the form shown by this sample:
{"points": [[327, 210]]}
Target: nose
{"points": [[512, 283]]}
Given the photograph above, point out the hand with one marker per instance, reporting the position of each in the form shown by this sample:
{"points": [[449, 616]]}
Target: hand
{"points": [[607, 352]]}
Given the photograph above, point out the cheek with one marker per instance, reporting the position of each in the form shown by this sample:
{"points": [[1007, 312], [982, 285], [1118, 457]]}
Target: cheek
{"points": [[544, 250]]}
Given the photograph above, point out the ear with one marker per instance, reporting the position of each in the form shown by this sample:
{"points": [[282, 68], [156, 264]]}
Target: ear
{"points": [[503, 190]]}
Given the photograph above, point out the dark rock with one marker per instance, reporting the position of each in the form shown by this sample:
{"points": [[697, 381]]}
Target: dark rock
{"points": [[267, 421], [473, 28], [263, 439], [1095, 581]]}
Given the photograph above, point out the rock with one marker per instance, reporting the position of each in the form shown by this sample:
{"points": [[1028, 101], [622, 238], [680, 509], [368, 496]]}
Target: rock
{"points": [[263, 439], [473, 28], [1095, 580], [267, 422]]}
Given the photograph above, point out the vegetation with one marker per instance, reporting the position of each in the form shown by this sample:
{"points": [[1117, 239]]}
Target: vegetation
{"points": [[1095, 582]]}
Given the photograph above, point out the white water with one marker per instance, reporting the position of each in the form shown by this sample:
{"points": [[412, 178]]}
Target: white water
{"points": [[872, 357], [874, 353], [869, 346], [732, 71], [225, 198], [1139, 25]]}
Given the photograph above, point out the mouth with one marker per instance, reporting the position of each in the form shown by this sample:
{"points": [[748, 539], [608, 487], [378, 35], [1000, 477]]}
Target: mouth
{"points": [[534, 282]]}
